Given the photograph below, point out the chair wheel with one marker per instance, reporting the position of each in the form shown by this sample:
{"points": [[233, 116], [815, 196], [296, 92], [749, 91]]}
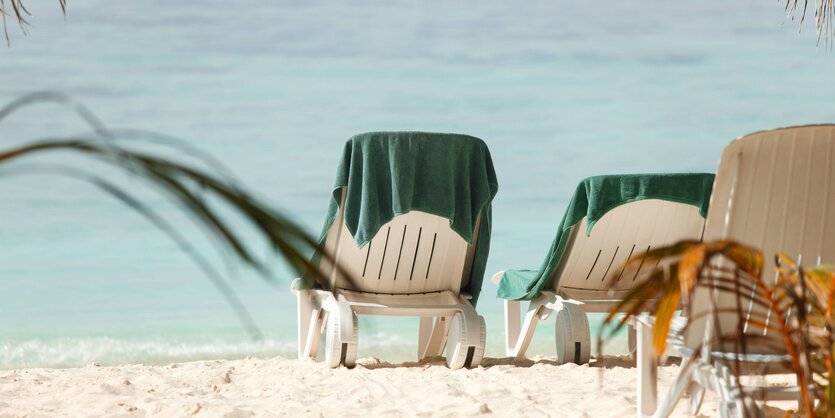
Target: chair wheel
{"points": [[459, 351], [572, 335], [338, 351]]}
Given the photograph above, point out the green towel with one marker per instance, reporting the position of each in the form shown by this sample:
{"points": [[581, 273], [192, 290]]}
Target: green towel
{"points": [[593, 198], [391, 173]]}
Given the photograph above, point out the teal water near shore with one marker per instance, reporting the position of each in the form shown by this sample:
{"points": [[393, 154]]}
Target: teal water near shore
{"points": [[559, 91]]}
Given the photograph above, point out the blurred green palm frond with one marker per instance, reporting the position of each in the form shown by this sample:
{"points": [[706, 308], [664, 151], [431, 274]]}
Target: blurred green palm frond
{"points": [[204, 191]]}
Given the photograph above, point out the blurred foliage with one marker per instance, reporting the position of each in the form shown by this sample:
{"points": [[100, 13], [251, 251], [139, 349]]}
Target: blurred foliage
{"points": [[791, 316], [198, 184]]}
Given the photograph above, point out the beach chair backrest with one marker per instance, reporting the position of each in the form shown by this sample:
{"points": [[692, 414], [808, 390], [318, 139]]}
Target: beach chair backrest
{"points": [[414, 253], [774, 191], [628, 230]]}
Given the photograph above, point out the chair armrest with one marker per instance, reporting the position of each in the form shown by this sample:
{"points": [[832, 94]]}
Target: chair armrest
{"points": [[294, 286]]}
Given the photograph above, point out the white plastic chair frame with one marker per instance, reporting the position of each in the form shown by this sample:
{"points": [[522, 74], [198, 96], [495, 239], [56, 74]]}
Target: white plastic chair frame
{"points": [[774, 190], [415, 265], [579, 284]]}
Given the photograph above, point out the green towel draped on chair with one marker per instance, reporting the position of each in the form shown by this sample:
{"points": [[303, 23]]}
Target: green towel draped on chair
{"points": [[594, 197], [392, 173]]}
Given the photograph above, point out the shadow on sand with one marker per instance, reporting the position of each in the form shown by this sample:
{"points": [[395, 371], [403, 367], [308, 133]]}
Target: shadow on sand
{"points": [[606, 362]]}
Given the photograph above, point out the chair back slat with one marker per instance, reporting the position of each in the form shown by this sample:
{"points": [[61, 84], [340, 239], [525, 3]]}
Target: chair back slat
{"points": [[623, 232], [413, 253]]}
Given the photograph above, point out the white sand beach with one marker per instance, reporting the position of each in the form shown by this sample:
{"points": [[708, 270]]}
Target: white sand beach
{"points": [[283, 387]]}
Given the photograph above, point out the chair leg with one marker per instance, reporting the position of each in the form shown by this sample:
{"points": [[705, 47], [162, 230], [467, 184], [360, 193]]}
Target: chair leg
{"points": [[518, 331], [684, 382], [437, 338], [697, 391], [647, 371], [309, 323], [303, 310], [732, 403], [512, 326], [424, 333]]}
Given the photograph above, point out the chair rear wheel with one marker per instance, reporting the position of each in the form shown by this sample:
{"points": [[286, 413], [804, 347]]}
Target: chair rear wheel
{"points": [[337, 350], [572, 335], [460, 352]]}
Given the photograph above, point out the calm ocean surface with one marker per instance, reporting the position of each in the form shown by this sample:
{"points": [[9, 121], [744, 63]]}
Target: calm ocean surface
{"points": [[559, 90]]}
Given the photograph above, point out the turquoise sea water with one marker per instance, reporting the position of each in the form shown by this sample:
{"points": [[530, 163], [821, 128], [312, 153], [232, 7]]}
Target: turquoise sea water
{"points": [[559, 90]]}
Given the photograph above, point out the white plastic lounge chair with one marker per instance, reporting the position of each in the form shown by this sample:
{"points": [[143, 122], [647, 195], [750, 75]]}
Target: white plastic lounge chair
{"points": [[775, 191], [578, 285], [414, 265]]}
